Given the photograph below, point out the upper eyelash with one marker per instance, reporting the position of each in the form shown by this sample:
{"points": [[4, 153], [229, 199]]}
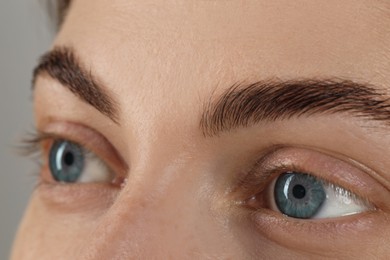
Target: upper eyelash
{"points": [[30, 145], [254, 178], [262, 179]]}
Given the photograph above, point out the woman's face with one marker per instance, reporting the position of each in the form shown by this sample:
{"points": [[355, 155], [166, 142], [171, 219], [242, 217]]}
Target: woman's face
{"points": [[213, 130]]}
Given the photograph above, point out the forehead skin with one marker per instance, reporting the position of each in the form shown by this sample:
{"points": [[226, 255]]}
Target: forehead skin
{"points": [[281, 38], [162, 60], [195, 46], [160, 55]]}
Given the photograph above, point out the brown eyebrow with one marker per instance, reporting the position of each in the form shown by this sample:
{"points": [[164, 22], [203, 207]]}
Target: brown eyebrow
{"points": [[244, 105], [62, 64]]}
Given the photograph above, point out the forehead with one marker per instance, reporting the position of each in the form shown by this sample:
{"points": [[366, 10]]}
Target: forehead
{"points": [[208, 42]]}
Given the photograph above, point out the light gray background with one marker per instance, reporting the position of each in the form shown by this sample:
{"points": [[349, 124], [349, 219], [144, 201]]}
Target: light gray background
{"points": [[24, 35]]}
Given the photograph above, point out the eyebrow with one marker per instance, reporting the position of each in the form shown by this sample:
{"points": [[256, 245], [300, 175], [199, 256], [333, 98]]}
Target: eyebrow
{"points": [[244, 105], [63, 65]]}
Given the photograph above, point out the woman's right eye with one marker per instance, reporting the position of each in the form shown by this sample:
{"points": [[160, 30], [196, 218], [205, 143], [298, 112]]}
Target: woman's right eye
{"points": [[70, 163]]}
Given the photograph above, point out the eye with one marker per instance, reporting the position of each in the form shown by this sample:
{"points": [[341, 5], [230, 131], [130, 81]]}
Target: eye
{"points": [[70, 163], [304, 196]]}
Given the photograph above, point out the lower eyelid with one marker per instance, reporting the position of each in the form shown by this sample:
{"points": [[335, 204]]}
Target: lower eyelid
{"points": [[293, 233], [74, 198], [45, 175]]}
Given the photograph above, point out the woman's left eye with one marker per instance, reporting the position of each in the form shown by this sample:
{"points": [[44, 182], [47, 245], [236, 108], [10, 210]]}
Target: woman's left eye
{"points": [[70, 163], [304, 196]]}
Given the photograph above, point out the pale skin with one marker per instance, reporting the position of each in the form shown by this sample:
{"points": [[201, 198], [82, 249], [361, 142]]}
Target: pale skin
{"points": [[161, 62]]}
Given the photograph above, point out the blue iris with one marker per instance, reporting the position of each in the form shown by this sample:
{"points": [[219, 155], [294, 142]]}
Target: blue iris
{"points": [[299, 195], [66, 161]]}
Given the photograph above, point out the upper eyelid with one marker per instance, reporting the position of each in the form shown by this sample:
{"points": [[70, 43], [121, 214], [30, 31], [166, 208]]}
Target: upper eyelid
{"points": [[302, 167], [34, 144], [252, 177], [358, 181], [90, 140]]}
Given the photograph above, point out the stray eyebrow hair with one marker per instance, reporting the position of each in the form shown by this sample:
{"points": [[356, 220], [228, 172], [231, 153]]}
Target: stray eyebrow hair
{"points": [[62, 64], [243, 105]]}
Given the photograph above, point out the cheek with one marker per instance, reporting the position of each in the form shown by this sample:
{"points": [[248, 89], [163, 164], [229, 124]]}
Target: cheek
{"points": [[356, 237], [44, 235]]}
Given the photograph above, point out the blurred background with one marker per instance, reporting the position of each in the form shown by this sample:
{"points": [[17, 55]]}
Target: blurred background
{"points": [[24, 35]]}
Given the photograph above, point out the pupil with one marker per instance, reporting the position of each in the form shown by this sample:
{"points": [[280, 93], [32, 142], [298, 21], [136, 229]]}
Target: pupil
{"points": [[68, 159], [299, 191]]}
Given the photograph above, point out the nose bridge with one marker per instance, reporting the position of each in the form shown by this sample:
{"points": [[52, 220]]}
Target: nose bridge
{"points": [[133, 232], [153, 214], [162, 211]]}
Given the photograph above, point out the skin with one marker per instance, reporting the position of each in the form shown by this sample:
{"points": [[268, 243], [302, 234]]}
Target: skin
{"points": [[161, 61]]}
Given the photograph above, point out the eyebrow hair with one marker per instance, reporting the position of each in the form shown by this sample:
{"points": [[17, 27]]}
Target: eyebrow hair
{"points": [[62, 64], [244, 105]]}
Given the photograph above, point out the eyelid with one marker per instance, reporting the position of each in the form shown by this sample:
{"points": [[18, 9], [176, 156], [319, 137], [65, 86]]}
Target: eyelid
{"points": [[89, 139], [347, 175]]}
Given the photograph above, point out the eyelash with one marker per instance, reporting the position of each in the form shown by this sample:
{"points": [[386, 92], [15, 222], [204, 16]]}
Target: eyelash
{"points": [[257, 183], [37, 146], [338, 189], [31, 145]]}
